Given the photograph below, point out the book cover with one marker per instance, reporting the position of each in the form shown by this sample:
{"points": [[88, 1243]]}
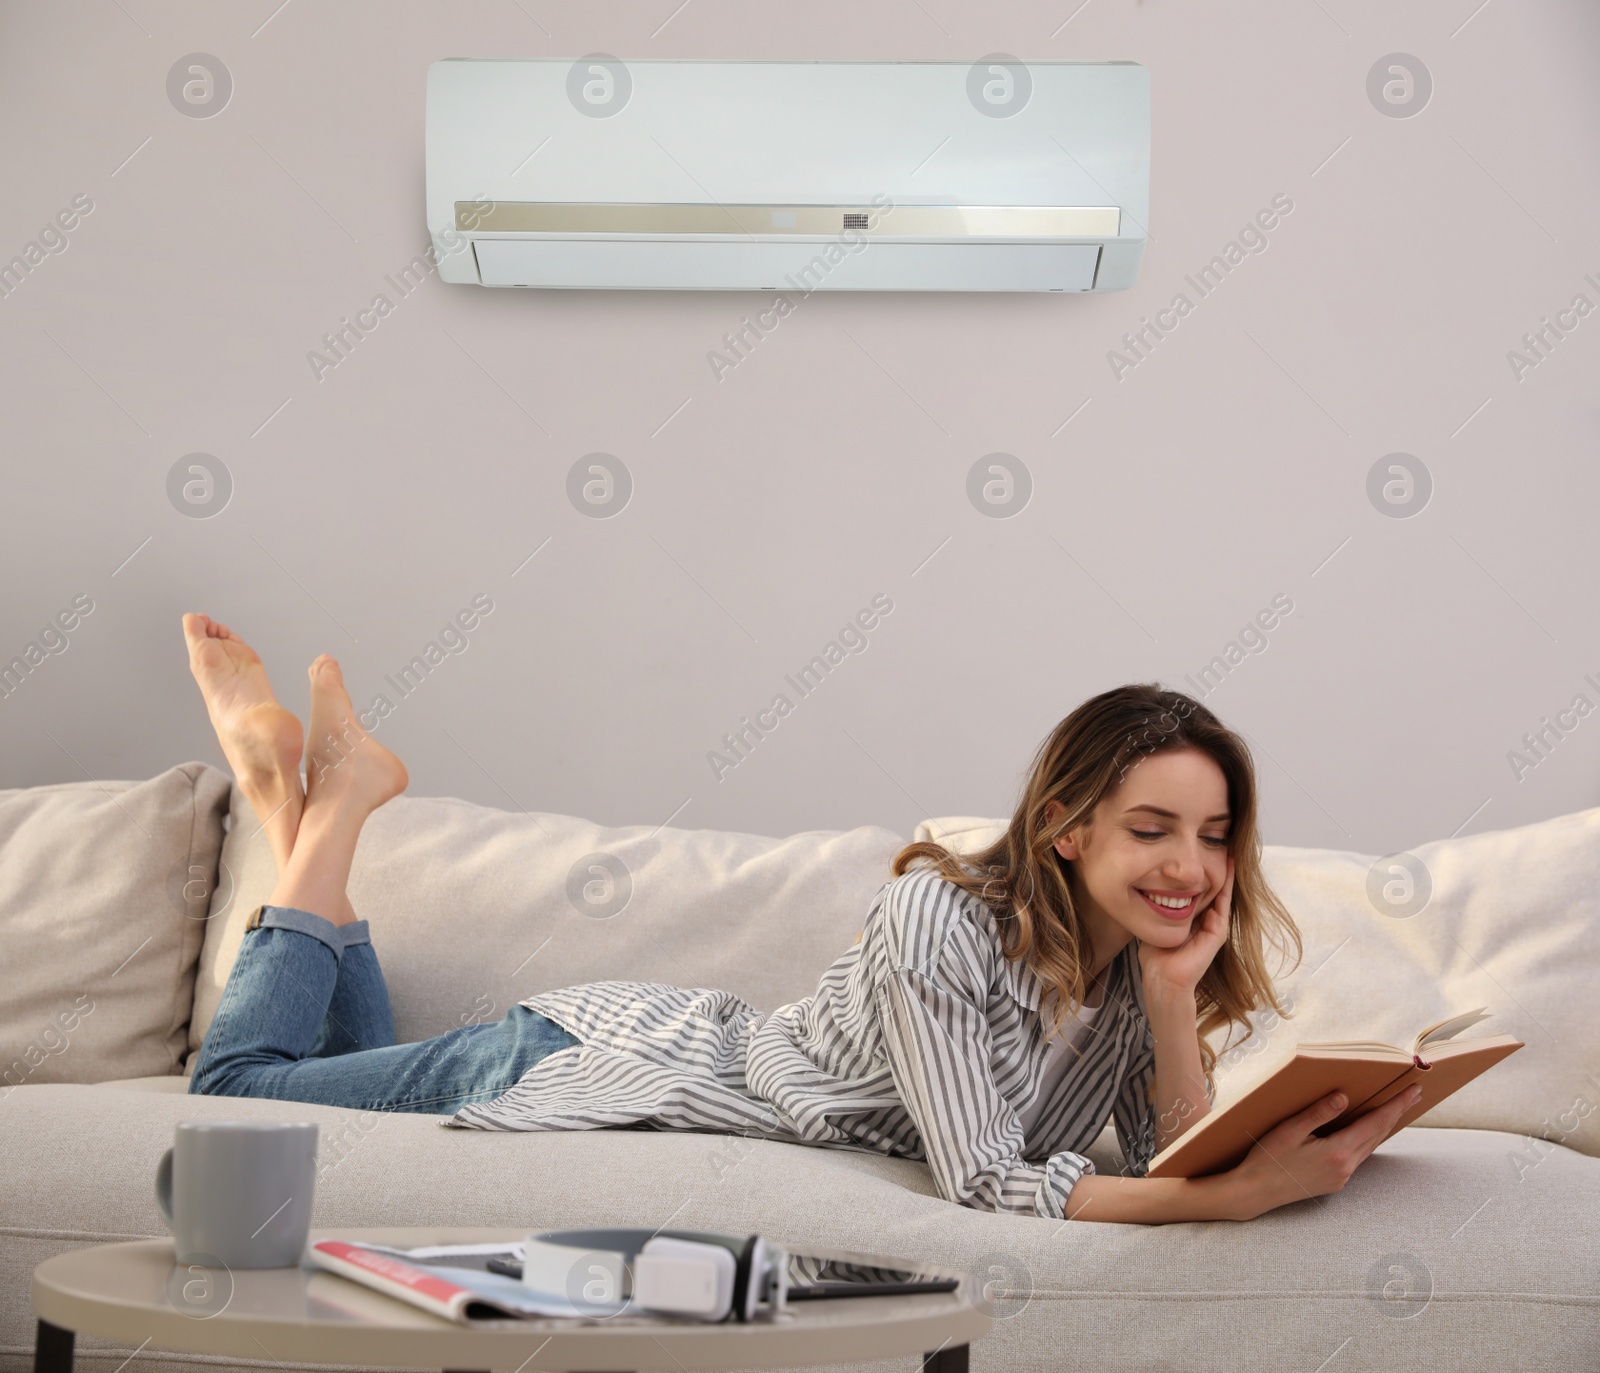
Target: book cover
{"points": [[1368, 1073]]}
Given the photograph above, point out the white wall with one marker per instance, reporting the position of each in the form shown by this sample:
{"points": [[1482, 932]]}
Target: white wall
{"points": [[1229, 467]]}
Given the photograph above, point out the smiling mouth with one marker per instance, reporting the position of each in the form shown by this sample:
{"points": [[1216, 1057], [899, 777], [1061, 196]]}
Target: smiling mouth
{"points": [[1182, 912]]}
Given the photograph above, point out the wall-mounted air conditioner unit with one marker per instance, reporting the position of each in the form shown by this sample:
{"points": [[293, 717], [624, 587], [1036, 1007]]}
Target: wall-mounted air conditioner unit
{"points": [[793, 176]]}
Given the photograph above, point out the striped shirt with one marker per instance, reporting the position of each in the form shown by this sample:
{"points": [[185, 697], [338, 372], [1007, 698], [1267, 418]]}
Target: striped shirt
{"points": [[923, 1041], [1060, 1054]]}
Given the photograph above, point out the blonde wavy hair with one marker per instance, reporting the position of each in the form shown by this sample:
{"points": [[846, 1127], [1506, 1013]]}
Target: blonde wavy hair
{"points": [[1022, 879]]}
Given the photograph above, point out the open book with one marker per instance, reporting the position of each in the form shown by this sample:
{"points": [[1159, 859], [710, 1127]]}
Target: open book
{"points": [[1368, 1074]]}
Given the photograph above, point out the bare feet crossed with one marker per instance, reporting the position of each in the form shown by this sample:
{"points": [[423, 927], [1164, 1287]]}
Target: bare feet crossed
{"points": [[312, 827], [260, 738]]}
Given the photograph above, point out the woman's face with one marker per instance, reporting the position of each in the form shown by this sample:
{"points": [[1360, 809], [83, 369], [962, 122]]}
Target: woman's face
{"points": [[1156, 853]]}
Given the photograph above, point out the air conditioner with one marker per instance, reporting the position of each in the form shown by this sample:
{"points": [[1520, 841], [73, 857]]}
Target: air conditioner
{"points": [[998, 175]]}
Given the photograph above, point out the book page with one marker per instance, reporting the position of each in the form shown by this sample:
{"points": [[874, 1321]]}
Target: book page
{"points": [[1448, 1029], [1363, 1046], [1434, 1034]]}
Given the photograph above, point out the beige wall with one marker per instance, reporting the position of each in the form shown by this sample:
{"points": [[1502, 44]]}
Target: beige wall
{"points": [[1225, 471]]}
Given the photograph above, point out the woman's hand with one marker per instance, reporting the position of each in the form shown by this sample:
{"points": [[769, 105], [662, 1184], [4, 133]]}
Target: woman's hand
{"points": [[1178, 970], [1289, 1163]]}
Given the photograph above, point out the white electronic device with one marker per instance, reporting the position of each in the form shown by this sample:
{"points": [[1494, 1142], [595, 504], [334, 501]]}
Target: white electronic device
{"points": [[706, 1277], [636, 174], [684, 1277]]}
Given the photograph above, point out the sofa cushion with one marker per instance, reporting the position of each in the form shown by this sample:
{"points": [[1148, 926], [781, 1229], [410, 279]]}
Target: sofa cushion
{"points": [[1508, 920], [1431, 1257], [177, 1083], [104, 892], [474, 909]]}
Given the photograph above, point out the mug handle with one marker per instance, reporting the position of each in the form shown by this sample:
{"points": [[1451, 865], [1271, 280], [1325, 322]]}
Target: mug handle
{"points": [[164, 1185]]}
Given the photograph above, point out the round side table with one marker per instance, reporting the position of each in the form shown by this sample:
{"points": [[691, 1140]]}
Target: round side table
{"points": [[136, 1292]]}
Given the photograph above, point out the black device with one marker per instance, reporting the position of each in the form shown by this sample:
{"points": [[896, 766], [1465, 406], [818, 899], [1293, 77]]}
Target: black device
{"points": [[814, 1279]]}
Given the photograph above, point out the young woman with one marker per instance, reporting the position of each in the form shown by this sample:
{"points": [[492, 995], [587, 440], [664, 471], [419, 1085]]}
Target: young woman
{"points": [[996, 1011]]}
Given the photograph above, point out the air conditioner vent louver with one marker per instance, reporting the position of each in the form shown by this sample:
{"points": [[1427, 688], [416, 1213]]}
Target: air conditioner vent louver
{"points": [[855, 221]]}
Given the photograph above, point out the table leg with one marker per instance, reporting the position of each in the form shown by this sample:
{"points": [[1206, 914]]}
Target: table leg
{"points": [[52, 1349], [946, 1360]]}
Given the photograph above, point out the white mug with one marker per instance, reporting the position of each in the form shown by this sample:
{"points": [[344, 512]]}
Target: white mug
{"points": [[238, 1192]]}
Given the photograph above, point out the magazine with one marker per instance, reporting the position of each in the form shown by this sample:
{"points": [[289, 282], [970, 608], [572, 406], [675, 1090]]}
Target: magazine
{"points": [[453, 1290]]}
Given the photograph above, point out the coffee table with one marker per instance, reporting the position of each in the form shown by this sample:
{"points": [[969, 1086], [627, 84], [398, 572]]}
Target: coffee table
{"points": [[136, 1292]]}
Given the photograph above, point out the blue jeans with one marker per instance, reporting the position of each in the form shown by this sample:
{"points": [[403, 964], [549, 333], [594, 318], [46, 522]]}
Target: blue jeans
{"points": [[305, 1017]]}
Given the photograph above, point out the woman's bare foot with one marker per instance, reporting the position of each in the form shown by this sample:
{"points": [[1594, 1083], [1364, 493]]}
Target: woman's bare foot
{"points": [[348, 776], [345, 766], [260, 738]]}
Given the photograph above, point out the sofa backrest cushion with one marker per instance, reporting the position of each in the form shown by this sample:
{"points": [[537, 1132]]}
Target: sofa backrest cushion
{"points": [[1507, 920], [104, 894], [474, 909]]}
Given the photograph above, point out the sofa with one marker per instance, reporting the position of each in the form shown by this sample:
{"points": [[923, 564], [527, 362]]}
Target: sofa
{"points": [[1467, 1242]]}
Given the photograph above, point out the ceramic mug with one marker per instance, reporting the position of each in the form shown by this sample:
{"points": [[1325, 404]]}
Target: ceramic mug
{"points": [[239, 1191]]}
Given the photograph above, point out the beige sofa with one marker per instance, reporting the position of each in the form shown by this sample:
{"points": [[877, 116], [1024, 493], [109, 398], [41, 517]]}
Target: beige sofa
{"points": [[1467, 1242]]}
